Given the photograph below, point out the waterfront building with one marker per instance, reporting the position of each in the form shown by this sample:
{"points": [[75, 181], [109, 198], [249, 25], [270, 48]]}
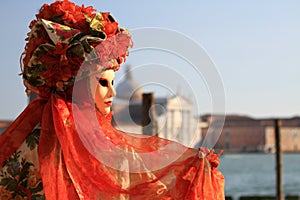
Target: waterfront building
{"points": [[290, 136], [4, 124], [246, 134]]}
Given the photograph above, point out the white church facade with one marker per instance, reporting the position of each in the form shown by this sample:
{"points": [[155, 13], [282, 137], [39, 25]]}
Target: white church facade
{"points": [[174, 115]]}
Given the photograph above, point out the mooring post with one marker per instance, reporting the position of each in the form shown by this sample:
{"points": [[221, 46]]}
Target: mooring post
{"points": [[148, 115], [279, 190]]}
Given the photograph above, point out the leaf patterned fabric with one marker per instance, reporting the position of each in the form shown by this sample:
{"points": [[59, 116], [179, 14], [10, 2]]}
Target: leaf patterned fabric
{"points": [[20, 177]]}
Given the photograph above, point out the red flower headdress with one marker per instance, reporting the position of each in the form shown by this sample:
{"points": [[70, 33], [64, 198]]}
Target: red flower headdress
{"points": [[66, 37]]}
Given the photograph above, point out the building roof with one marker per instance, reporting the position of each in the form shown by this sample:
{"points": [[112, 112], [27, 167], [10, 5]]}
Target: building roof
{"points": [[4, 124], [128, 88]]}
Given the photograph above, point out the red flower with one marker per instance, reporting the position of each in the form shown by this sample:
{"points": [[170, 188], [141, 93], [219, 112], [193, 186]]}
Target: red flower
{"points": [[82, 25], [65, 12], [90, 11], [61, 48], [110, 29]]}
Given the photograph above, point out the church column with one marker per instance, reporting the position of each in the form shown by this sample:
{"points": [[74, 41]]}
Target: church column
{"points": [[166, 125], [172, 124]]}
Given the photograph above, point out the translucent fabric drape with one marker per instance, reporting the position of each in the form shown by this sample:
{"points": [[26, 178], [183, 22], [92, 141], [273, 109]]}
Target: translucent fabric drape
{"points": [[82, 156]]}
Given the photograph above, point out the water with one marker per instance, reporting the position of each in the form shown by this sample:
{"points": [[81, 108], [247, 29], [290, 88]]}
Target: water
{"points": [[254, 174]]}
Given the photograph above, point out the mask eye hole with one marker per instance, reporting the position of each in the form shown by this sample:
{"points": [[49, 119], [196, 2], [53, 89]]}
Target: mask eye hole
{"points": [[103, 82]]}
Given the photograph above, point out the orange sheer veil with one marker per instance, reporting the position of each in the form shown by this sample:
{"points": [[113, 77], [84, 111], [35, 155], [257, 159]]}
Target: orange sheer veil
{"points": [[82, 156]]}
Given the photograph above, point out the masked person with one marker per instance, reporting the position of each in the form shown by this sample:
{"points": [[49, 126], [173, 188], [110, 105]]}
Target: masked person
{"points": [[63, 145]]}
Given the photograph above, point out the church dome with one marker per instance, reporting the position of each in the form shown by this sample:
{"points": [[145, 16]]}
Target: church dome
{"points": [[128, 88]]}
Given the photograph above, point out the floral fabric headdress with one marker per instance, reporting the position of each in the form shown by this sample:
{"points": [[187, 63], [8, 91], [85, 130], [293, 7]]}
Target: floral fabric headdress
{"points": [[66, 37]]}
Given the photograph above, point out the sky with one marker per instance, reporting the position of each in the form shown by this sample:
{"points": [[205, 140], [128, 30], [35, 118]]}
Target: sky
{"points": [[254, 46]]}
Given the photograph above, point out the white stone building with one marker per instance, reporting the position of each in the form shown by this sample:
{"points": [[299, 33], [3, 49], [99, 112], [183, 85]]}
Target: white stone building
{"points": [[174, 115]]}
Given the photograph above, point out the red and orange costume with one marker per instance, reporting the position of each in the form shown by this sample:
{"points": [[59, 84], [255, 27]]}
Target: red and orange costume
{"points": [[60, 147]]}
